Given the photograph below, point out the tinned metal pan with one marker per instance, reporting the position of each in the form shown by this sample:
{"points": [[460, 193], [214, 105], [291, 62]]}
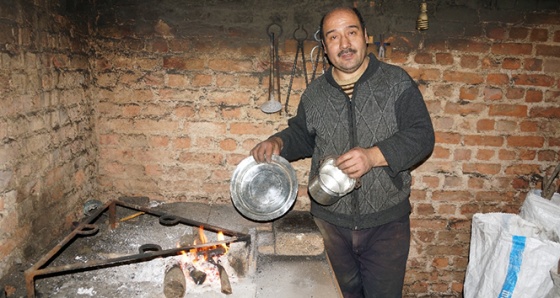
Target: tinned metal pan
{"points": [[263, 191]]}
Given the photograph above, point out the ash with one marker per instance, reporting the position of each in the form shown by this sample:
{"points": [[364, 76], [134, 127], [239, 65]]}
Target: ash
{"points": [[142, 279]]}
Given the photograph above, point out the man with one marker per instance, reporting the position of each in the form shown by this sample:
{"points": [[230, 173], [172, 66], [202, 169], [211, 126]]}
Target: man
{"points": [[373, 117]]}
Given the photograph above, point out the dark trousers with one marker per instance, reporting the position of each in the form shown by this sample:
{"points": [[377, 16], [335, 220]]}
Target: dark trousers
{"points": [[371, 262]]}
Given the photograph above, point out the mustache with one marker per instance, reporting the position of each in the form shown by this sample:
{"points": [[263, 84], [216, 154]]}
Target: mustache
{"points": [[349, 50]]}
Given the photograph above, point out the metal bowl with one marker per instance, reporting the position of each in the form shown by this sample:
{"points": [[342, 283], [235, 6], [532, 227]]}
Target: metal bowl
{"points": [[263, 191]]}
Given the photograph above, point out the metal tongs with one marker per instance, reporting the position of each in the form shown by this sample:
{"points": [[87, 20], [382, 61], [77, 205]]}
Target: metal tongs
{"points": [[300, 41]]}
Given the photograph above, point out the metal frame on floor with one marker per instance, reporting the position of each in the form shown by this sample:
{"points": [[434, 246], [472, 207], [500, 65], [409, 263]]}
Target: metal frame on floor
{"points": [[147, 252]]}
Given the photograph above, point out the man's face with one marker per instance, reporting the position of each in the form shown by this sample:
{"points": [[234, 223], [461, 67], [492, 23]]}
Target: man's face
{"points": [[344, 40]]}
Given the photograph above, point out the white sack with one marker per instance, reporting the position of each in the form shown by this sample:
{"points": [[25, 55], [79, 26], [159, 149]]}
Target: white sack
{"points": [[555, 291], [509, 257], [543, 212]]}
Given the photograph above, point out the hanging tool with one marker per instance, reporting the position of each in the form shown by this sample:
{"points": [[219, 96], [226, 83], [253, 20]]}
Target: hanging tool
{"points": [[319, 48], [300, 41], [273, 105]]}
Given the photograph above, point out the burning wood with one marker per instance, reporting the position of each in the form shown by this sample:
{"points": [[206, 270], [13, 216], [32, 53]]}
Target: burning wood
{"points": [[198, 276], [224, 279], [174, 283]]}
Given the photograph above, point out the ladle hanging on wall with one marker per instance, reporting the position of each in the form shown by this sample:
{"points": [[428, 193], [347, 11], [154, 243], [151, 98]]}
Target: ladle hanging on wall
{"points": [[273, 105]]}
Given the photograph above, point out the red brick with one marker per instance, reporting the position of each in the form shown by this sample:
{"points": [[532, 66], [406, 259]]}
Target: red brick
{"points": [[550, 112], [468, 46], [225, 81], [159, 46], [556, 36], [527, 154], [525, 141], [468, 108], [447, 138], [497, 79], [511, 63], [490, 63], [175, 80], [179, 45], [533, 80], [512, 49], [504, 154], [424, 58], [182, 63], [506, 125], [485, 125], [548, 51], [475, 140], [229, 65], [462, 154], [463, 77], [492, 94], [424, 209], [515, 93], [485, 154], [201, 158], [529, 126], [182, 143], [452, 182], [228, 144], [430, 181], [206, 128], [439, 152], [543, 18], [533, 64], [547, 155], [250, 128], [184, 112], [468, 93], [508, 110], [518, 33], [533, 96], [551, 66], [554, 142], [539, 35], [231, 98], [481, 168], [469, 61], [523, 169], [201, 80], [423, 74], [159, 141], [552, 96], [495, 32], [444, 58]]}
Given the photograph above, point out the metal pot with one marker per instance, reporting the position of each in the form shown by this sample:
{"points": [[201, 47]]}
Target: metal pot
{"points": [[330, 184]]}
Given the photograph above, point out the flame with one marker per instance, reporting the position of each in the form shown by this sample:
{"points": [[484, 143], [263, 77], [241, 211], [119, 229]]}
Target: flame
{"points": [[202, 239]]}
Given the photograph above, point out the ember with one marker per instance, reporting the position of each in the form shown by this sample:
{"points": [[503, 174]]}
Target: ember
{"points": [[117, 256]]}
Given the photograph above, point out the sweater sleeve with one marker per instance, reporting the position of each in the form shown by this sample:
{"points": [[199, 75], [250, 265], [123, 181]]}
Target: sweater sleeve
{"points": [[415, 138], [298, 141]]}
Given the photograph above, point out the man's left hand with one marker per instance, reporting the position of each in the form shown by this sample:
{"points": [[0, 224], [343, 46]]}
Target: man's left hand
{"points": [[358, 161]]}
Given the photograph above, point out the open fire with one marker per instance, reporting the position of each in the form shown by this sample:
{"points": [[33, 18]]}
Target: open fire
{"points": [[200, 267], [145, 252]]}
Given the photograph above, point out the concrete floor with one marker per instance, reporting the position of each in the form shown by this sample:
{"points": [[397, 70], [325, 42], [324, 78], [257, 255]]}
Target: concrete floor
{"points": [[307, 275]]}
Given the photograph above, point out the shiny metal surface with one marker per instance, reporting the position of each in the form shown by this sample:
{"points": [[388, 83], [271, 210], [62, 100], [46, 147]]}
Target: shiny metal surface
{"points": [[330, 184], [263, 191]]}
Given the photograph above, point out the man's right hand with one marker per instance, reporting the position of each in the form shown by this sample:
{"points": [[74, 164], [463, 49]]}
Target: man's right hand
{"points": [[264, 150]]}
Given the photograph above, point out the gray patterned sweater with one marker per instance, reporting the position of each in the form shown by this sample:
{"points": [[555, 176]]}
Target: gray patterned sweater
{"points": [[386, 110]]}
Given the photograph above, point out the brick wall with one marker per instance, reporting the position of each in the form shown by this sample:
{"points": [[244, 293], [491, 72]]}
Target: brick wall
{"points": [[176, 88], [47, 144]]}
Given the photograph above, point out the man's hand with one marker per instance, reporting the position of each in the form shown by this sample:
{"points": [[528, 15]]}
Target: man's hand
{"points": [[264, 150], [358, 161]]}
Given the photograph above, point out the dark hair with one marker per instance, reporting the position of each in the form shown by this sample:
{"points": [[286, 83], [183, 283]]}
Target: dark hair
{"points": [[352, 9]]}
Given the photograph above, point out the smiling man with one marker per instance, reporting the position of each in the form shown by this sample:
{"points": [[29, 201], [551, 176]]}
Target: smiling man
{"points": [[372, 116]]}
